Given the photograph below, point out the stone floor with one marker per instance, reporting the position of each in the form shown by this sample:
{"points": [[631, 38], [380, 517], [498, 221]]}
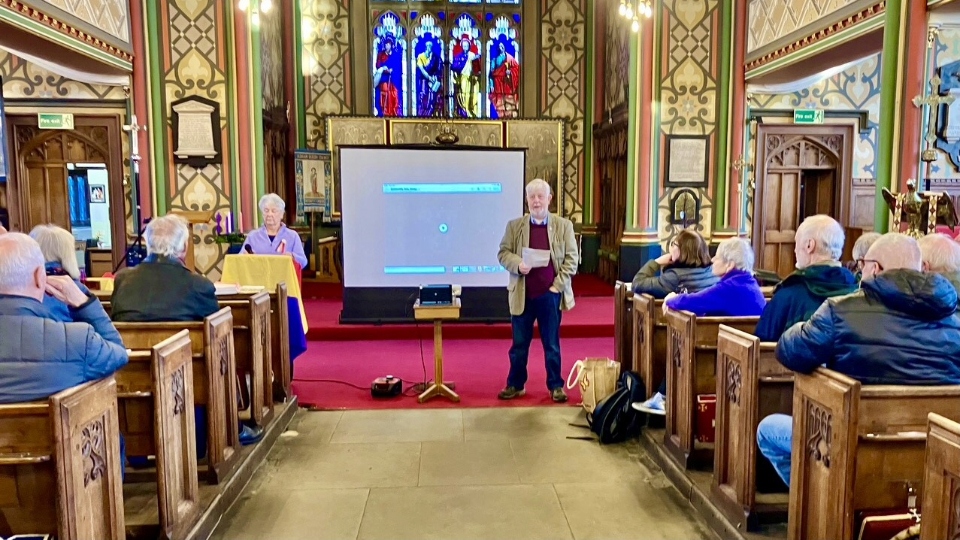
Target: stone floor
{"points": [[471, 473]]}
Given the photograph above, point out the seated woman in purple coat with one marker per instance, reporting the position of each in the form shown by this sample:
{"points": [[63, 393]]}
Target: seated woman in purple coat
{"points": [[737, 294], [274, 238]]}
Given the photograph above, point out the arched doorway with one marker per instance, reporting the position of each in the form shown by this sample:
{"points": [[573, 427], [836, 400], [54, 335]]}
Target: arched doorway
{"points": [[46, 180], [804, 170]]}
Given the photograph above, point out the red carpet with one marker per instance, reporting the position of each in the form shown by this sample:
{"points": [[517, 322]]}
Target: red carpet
{"points": [[477, 367], [591, 317], [342, 360]]}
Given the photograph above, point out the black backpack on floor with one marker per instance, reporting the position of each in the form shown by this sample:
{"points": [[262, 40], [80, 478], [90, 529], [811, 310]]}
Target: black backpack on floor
{"points": [[614, 420]]}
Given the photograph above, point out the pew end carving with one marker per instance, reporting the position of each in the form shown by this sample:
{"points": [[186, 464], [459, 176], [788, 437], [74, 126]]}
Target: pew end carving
{"points": [[941, 480], [691, 371], [60, 469], [649, 341], [856, 448], [623, 325], [254, 351], [751, 384]]}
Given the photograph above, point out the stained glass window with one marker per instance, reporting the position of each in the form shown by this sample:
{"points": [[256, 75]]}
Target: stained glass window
{"points": [[503, 69], [463, 58], [390, 96]]}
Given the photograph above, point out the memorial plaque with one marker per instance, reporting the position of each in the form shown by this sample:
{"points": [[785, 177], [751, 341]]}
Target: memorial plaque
{"points": [[196, 123], [687, 158]]}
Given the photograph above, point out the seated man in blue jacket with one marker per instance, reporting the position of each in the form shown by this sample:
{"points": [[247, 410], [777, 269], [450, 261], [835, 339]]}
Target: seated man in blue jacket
{"points": [[39, 355], [900, 328], [819, 245]]}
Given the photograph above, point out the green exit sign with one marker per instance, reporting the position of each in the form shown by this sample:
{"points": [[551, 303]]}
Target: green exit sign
{"points": [[808, 116], [55, 120]]}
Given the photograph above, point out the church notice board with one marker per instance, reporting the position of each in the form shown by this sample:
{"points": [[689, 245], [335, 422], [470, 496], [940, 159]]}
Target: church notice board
{"points": [[687, 159]]}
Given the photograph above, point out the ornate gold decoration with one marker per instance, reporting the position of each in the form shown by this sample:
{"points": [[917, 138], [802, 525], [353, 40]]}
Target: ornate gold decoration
{"points": [[861, 16], [66, 29], [922, 212]]}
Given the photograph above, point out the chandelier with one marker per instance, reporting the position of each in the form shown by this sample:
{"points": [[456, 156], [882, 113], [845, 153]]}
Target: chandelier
{"points": [[632, 9]]}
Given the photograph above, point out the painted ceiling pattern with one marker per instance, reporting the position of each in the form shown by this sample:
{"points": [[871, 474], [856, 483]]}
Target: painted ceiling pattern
{"points": [[855, 89], [771, 20], [110, 16]]}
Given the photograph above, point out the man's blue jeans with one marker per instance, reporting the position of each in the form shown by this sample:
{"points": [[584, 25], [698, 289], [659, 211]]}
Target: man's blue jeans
{"points": [[545, 310], [775, 441]]}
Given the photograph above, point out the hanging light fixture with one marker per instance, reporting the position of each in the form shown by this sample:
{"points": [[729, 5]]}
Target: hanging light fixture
{"points": [[622, 10], [242, 5], [265, 5], [635, 25]]}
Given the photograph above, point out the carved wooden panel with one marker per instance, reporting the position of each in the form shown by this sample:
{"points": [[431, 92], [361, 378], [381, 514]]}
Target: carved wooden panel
{"points": [[819, 433]]}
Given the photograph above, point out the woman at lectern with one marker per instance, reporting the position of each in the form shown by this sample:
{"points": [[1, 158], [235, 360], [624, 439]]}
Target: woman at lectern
{"points": [[274, 237]]}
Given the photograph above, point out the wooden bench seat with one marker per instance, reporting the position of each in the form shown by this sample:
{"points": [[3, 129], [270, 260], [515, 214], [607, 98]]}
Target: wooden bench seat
{"points": [[941, 480], [214, 380], [60, 465], [692, 371], [649, 341], [253, 347], [751, 384], [623, 325], [155, 401], [856, 448]]}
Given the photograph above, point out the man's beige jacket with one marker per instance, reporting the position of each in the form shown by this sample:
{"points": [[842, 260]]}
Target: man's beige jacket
{"points": [[563, 256]]}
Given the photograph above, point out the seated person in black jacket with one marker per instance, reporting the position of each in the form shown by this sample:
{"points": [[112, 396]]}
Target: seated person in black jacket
{"points": [[819, 244], [900, 328], [685, 267], [161, 289]]}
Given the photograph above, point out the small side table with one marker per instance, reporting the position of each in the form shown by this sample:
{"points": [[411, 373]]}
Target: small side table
{"points": [[437, 314]]}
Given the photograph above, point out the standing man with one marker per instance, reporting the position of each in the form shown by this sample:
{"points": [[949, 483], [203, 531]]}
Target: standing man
{"points": [[538, 294]]}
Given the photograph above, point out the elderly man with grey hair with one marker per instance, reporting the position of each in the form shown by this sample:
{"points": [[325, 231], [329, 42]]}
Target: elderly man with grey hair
{"points": [[39, 355], [274, 238], [161, 288], [900, 328], [538, 293], [819, 275], [941, 255]]}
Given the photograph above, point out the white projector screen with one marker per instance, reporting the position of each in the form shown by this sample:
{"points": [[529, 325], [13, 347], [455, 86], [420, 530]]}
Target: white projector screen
{"points": [[419, 216]]}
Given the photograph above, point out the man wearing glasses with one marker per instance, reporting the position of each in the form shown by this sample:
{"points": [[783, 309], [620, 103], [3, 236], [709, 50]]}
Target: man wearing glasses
{"points": [[900, 328]]}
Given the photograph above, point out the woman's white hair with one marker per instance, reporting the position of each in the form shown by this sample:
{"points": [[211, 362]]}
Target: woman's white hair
{"points": [[271, 199], [538, 184], [167, 236], [57, 246], [862, 245], [940, 252], [20, 256], [736, 251]]}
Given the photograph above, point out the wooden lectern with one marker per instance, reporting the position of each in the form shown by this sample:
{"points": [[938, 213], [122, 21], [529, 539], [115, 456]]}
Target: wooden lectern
{"points": [[193, 218], [437, 314]]}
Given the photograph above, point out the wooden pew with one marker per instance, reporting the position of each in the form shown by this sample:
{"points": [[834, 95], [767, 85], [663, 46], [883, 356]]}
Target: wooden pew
{"points": [[692, 371], [253, 347], [941, 487], [650, 341], [751, 384], [623, 325], [60, 469], [856, 448], [280, 340], [214, 380], [155, 400]]}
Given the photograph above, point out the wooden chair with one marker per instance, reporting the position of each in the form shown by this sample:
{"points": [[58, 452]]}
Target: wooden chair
{"points": [[155, 400], [253, 347], [751, 384], [214, 380], [941, 480], [650, 341], [856, 448], [623, 325], [692, 371], [60, 468]]}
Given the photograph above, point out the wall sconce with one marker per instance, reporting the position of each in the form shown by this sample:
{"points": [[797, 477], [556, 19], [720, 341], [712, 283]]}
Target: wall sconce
{"points": [[632, 9]]}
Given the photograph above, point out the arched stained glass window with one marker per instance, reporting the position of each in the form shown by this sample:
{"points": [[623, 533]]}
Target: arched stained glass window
{"points": [[449, 58], [503, 69], [390, 95]]}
